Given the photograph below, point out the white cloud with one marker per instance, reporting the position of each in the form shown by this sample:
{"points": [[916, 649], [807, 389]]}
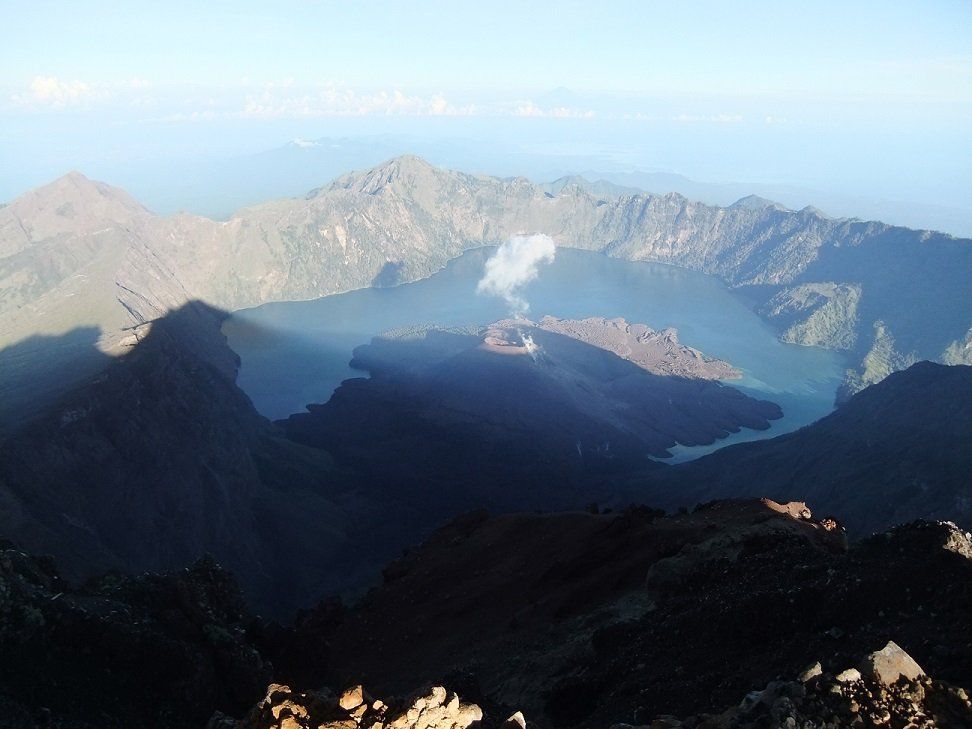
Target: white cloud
{"points": [[46, 93], [288, 98], [713, 118], [333, 100], [304, 143], [563, 112], [529, 109], [207, 115], [53, 93]]}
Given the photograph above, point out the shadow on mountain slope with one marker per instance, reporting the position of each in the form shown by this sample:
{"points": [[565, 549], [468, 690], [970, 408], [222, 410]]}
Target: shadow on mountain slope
{"points": [[391, 274], [36, 370], [161, 458], [153, 650]]}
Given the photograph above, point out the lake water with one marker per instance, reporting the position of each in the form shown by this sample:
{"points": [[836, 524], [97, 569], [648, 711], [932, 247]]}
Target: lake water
{"points": [[295, 353]]}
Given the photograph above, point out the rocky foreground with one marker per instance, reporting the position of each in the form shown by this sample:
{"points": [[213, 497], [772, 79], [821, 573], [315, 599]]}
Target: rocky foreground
{"points": [[888, 689], [591, 619], [702, 619], [284, 708]]}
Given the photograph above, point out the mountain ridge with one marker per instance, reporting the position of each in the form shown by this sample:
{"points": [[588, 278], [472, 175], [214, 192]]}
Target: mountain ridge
{"points": [[405, 219]]}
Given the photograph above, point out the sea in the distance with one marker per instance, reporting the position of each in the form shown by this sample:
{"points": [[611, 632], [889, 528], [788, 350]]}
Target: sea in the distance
{"points": [[296, 353]]}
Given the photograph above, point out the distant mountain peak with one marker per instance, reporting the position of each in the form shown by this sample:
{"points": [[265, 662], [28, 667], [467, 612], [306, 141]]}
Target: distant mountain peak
{"points": [[75, 176], [755, 202], [76, 186], [571, 180], [597, 187], [73, 203], [415, 172], [75, 180], [676, 197], [817, 212], [408, 163]]}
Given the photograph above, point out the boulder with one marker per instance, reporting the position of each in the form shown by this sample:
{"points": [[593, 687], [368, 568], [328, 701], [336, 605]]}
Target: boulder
{"points": [[890, 664], [848, 676], [437, 708], [810, 672], [516, 721], [352, 698]]}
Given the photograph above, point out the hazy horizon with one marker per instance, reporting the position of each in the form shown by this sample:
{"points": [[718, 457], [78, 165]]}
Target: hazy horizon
{"points": [[862, 111]]}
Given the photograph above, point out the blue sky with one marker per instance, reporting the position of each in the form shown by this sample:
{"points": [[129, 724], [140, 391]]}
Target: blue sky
{"points": [[739, 88], [902, 50]]}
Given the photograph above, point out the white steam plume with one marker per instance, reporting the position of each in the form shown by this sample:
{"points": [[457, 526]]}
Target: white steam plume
{"points": [[514, 265], [532, 348]]}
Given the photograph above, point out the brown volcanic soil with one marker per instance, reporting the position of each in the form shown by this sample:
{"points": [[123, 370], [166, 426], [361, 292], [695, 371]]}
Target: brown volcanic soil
{"points": [[658, 352], [591, 619]]}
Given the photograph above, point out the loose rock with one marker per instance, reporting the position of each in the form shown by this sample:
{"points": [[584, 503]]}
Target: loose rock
{"points": [[890, 664]]}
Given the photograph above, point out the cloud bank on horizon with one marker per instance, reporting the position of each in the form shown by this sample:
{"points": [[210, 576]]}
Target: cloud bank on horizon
{"points": [[515, 264], [716, 92]]}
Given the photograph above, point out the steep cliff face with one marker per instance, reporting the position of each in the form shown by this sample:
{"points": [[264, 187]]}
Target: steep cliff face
{"points": [[79, 253], [960, 351], [816, 315]]}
